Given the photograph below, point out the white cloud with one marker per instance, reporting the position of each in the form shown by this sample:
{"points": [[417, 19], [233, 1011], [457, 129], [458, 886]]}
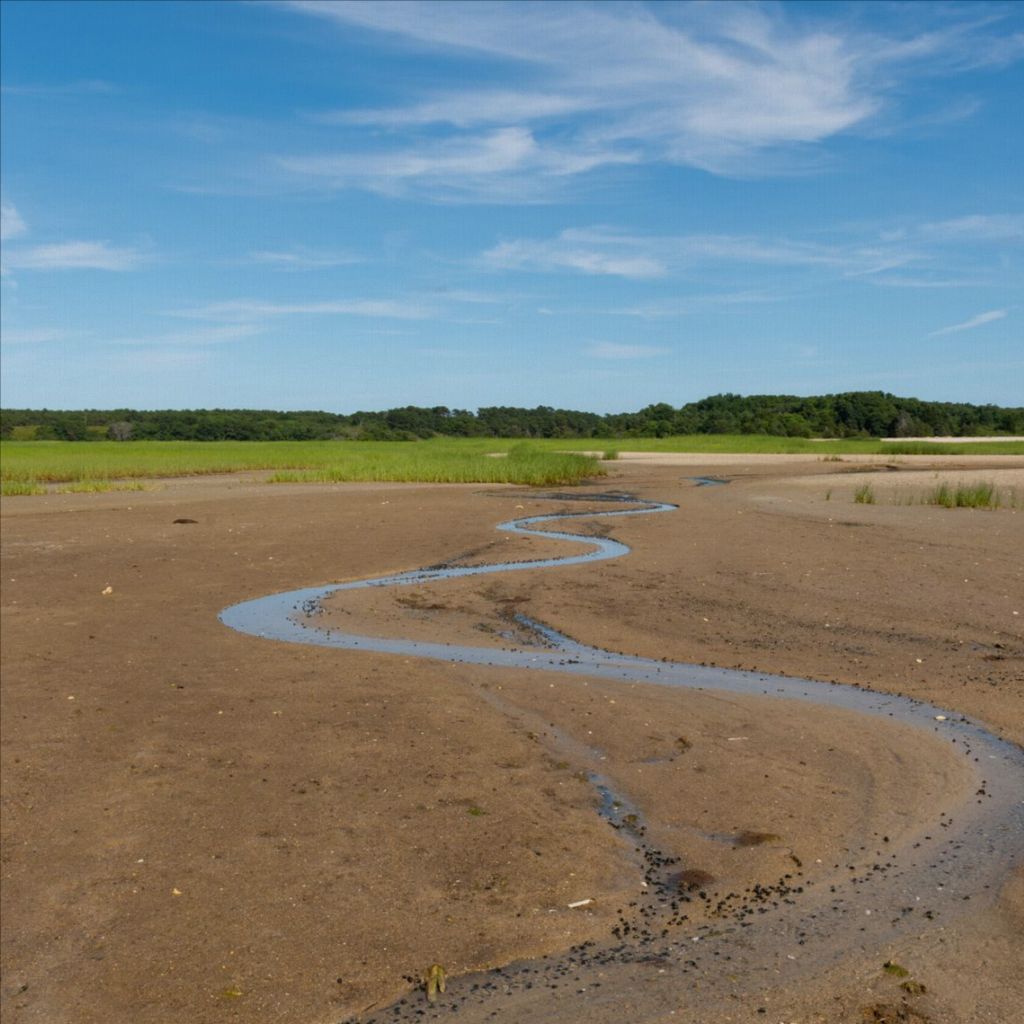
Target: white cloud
{"points": [[733, 89], [74, 256], [11, 223], [613, 350], [969, 325], [959, 252]]}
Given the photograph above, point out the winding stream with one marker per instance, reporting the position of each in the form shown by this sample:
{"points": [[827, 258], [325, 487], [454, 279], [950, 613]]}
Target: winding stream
{"points": [[771, 937]]}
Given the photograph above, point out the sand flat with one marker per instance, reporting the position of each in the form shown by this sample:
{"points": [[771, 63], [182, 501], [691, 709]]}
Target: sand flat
{"points": [[189, 812]]}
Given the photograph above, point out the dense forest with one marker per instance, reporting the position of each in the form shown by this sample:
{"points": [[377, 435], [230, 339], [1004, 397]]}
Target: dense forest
{"points": [[853, 414]]}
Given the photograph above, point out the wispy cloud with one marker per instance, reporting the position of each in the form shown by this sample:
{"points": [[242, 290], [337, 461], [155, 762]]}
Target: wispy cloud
{"points": [[31, 335], [155, 360], [670, 309], [613, 350], [732, 89], [474, 167], [440, 352], [241, 310], [602, 250], [11, 223], [853, 260], [74, 256], [84, 87], [199, 336], [903, 281], [464, 110], [990, 227], [573, 250], [975, 321], [472, 296], [303, 259]]}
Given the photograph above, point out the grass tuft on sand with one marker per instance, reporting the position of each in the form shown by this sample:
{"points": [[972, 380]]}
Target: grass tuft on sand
{"points": [[980, 495], [983, 494]]}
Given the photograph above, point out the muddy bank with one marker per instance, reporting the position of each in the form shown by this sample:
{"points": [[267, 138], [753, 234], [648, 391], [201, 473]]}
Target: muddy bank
{"points": [[219, 829]]}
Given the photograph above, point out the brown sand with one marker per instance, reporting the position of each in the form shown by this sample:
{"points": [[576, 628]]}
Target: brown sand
{"points": [[202, 826]]}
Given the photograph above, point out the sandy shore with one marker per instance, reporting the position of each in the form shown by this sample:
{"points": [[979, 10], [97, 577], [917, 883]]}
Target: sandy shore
{"points": [[200, 826]]}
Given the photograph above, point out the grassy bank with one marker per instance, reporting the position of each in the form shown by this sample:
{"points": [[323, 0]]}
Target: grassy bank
{"points": [[763, 444], [522, 465], [28, 466]]}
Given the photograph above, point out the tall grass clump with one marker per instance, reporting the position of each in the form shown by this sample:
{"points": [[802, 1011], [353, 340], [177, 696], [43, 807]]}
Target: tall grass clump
{"points": [[864, 495], [979, 495]]}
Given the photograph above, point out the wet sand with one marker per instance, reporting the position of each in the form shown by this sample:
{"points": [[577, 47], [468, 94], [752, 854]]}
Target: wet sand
{"points": [[217, 828]]}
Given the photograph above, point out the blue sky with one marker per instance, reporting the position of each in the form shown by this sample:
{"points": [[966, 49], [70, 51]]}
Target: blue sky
{"points": [[342, 206]]}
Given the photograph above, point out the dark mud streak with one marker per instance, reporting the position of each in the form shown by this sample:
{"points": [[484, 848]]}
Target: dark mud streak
{"points": [[761, 937]]}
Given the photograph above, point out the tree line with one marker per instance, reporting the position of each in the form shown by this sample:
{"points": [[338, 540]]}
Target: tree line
{"points": [[850, 414]]}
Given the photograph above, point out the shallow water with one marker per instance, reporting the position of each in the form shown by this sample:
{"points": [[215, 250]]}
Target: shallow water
{"points": [[772, 936]]}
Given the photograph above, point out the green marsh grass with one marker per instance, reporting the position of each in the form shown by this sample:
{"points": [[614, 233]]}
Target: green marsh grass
{"points": [[93, 464], [31, 464], [13, 488], [958, 448], [752, 444], [100, 486], [522, 465], [864, 495]]}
